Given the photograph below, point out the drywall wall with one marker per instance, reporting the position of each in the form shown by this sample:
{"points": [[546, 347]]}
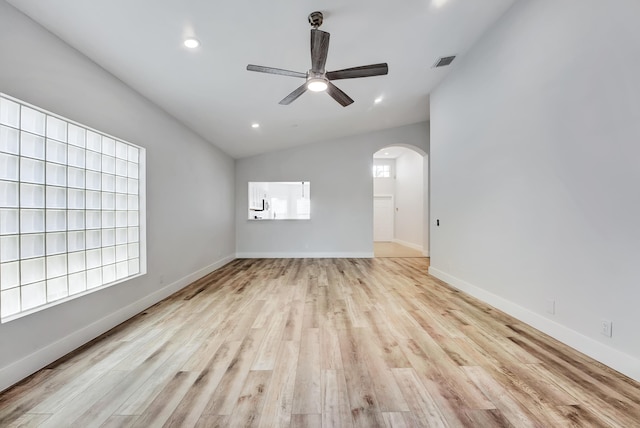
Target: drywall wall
{"points": [[341, 222], [534, 169], [190, 192], [426, 204], [409, 218]]}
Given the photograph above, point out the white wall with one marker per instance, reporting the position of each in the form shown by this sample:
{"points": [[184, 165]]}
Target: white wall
{"points": [[190, 192], [409, 218], [426, 202], [341, 222], [535, 149]]}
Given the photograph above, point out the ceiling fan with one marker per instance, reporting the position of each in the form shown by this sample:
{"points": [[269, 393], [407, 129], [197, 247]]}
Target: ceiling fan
{"points": [[317, 78]]}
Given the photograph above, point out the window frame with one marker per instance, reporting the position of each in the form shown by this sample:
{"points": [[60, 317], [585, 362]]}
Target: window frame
{"points": [[262, 204], [385, 169], [62, 159]]}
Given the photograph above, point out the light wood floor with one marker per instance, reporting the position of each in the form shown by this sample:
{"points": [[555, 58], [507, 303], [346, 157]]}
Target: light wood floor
{"points": [[393, 249], [323, 342]]}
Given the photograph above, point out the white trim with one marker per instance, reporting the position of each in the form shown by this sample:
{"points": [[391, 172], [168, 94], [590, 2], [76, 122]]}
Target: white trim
{"points": [[304, 255], [624, 363], [20, 369], [380, 196], [407, 244]]}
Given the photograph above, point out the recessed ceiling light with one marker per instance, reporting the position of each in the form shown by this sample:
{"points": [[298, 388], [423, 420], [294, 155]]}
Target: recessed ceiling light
{"points": [[192, 43], [255, 125], [386, 153], [378, 100]]}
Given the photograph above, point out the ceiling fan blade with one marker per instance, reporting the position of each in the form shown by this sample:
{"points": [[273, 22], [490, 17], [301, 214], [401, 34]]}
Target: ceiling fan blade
{"points": [[294, 95], [337, 94], [363, 71], [319, 50], [271, 70]]}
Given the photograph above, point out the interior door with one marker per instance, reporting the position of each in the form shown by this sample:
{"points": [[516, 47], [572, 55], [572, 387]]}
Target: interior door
{"points": [[383, 218]]}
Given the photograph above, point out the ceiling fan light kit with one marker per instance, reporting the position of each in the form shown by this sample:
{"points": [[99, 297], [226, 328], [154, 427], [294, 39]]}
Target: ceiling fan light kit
{"points": [[317, 85], [317, 78]]}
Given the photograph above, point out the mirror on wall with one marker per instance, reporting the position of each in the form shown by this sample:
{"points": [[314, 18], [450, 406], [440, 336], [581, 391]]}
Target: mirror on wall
{"points": [[279, 200]]}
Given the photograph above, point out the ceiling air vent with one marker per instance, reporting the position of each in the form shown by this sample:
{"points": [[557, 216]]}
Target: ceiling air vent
{"points": [[444, 61]]}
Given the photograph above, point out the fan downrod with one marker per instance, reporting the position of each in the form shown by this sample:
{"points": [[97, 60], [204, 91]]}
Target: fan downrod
{"points": [[315, 19]]}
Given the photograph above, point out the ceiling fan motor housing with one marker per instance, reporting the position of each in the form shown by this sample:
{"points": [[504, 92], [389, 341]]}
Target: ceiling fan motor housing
{"points": [[315, 75], [315, 19]]}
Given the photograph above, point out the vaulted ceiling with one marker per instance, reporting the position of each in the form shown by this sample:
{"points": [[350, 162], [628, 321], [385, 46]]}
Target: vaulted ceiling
{"points": [[210, 91]]}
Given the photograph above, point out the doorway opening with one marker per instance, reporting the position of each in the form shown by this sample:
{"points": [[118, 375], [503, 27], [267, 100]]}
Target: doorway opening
{"points": [[400, 203]]}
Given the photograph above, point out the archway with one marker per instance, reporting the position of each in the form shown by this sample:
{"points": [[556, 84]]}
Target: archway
{"points": [[400, 202]]}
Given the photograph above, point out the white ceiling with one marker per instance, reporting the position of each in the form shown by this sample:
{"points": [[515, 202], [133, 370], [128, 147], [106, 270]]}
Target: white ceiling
{"points": [[391, 152], [209, 90]]}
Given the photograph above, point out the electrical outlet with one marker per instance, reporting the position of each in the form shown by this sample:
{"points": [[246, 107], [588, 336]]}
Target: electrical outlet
{"points": [[551, 306], [606, 327]]}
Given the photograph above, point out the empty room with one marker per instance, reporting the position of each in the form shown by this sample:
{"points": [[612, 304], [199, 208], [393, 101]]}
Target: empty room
{"points": [[319, 214]]}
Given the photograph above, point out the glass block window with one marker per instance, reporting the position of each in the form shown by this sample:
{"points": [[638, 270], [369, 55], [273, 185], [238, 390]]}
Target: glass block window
{"points": [[71, 209]]}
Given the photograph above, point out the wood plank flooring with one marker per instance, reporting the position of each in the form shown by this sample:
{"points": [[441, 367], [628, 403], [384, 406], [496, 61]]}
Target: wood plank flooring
{"points": [[393, 249], [323, 343]]}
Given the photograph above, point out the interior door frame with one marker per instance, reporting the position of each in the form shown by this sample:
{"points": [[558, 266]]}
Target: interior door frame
{"points": [[393, 213]]}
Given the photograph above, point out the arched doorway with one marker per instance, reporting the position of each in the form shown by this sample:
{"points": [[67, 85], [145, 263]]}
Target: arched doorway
{"points": [[400, 202]]}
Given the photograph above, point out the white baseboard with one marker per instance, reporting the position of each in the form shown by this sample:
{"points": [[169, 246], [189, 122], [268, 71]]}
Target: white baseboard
{"points": [[408, 244], [624, 363], [30, 364], [425, 253], [303, 255]]}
